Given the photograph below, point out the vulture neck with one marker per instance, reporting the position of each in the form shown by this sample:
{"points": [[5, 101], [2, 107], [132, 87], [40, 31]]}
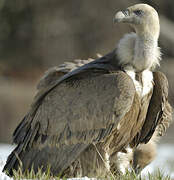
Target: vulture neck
{"points": [[138, 54], [138, 51], [145, 52]]}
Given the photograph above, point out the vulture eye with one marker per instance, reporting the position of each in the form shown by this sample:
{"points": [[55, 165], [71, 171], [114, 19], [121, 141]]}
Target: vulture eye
{"points": [[125, 12], [138, 12]]}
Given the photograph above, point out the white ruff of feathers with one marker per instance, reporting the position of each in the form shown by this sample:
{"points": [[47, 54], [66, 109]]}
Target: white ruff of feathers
{"points": [[135, 56]]}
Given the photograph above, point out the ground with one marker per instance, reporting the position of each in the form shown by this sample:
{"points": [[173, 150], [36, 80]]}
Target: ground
{"points": [[164, 161]]}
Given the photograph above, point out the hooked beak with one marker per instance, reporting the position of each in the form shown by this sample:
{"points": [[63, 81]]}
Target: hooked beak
{"points": [[121, 16], [137, 170]]}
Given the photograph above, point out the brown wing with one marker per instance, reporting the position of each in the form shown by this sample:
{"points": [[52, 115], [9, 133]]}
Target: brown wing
{"points": [[83, 110], [159, 111], [56, 75], [104, 64], [81, 107], [165, 120], [53, 74]]}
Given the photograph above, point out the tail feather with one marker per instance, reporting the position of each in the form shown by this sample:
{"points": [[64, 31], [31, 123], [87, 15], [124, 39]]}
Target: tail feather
{"points": [[57, 159], [21, 130], [14, 159], [40, 155]]}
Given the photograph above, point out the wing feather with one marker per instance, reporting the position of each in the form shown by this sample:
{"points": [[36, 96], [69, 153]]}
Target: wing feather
{"points": [[83, 105], [51, 76], [159, 112], [79, 108], [84, 109]]}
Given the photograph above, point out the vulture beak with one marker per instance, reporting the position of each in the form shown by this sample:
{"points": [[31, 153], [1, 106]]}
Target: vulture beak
{"points": [[137, 170], [122, 16]]}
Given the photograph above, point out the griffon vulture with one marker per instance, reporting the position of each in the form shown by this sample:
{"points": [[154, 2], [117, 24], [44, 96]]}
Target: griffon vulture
{"points": [[137, 158], [78, 122]]}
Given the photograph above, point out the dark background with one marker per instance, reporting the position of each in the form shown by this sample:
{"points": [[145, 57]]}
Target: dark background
{"points": [[38, 34]]}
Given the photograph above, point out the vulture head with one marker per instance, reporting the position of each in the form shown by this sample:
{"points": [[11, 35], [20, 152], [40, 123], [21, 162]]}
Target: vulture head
{"points": [[142, 17], [140, 48]]}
